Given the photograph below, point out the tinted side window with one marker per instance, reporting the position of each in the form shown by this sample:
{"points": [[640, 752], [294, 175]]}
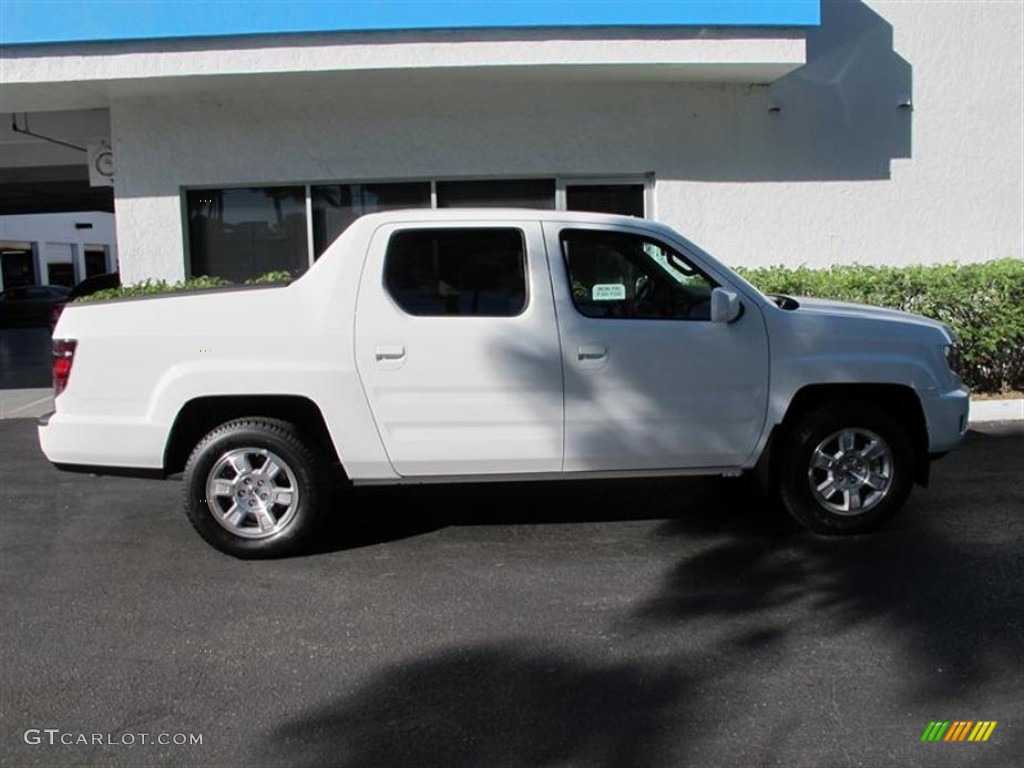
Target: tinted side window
{"points": [[619, 275], [467, 272]]}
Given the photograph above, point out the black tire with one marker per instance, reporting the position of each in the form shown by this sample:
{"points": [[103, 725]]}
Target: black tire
{"points": [[258, 513], [835, 499]]}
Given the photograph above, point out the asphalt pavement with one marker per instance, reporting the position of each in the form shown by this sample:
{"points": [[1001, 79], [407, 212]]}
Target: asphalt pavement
{"points": [[25, 358], [670, 623], [26, 386]]}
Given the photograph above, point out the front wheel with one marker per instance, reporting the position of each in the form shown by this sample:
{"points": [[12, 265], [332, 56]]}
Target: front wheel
{"points": [[254, 489], [847, 468]]}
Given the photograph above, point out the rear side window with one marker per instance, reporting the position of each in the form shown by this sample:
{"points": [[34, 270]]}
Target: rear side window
{"points": [[460, 272]]}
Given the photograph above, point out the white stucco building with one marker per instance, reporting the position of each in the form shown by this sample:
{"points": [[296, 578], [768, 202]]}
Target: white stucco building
{"points": [[886, 131]]}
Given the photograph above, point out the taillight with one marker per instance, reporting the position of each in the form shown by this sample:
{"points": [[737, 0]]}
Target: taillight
{"points": [[63, 358]]}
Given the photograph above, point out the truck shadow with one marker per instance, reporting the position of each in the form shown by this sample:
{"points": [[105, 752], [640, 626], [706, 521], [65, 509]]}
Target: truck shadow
{"points": [[380, 515]]}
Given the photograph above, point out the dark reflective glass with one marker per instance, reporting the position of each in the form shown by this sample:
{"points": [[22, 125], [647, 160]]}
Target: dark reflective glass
{"points": [[624, 199], [506, 193], [474, 272], [95, 263], [336, 206], [245, 232], [623, 276]]}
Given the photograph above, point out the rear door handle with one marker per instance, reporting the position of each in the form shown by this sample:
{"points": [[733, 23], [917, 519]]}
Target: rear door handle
{"points": [[591, 352], [389, 352]]}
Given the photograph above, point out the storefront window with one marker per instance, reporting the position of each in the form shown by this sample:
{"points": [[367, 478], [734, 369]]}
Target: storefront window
{"points": [[502, 193], [624, 199], [238, 233], [245, 232], [336, 206]]}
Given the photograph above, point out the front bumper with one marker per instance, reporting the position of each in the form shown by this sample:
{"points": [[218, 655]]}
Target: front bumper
{"points": [[946, 415]]}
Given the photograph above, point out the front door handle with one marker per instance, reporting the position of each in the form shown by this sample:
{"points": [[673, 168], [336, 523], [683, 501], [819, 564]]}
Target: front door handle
{"points": [[389, 352], [591, 352]]}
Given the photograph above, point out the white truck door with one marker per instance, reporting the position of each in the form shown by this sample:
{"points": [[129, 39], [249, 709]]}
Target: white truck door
{"points": [[457, 349], [650, 381]]}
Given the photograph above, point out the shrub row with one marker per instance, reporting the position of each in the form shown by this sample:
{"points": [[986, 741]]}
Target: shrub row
{"points": [[982, 303], [154, 287]]}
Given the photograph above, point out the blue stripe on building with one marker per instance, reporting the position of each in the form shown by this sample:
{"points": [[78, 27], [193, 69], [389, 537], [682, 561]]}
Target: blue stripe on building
{"points": [[51, 21]]}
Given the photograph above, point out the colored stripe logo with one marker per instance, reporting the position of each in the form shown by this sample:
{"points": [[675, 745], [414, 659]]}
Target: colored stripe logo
{"points": [[958, 730]]}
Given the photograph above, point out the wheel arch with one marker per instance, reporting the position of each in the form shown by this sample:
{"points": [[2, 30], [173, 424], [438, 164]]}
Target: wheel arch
{"points": [[898, 400], [200, 415]]}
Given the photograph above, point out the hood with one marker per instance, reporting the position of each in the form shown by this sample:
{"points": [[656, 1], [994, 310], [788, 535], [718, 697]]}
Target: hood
{"points": [[830, 308]]}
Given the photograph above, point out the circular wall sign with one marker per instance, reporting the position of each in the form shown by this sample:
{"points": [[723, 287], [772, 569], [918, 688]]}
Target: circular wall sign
{"points": [[104, 163]]}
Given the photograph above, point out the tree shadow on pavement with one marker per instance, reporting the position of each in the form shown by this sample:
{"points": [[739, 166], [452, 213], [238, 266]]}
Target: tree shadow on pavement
{"points": [[944, 578], [499, 705]]}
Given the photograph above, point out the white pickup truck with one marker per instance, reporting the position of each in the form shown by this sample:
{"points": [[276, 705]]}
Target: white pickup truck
{"points": [[474, 345]]}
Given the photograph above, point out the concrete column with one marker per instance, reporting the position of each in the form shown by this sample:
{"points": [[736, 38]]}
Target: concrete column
{"points": [[78, 261], [39, 262]]}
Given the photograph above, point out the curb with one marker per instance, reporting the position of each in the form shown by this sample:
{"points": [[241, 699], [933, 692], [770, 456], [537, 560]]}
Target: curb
{"points": [[996, 410]]}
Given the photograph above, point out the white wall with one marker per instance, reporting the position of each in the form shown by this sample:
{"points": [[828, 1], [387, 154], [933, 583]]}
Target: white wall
{"points": [[840, 173], [957, 196]]}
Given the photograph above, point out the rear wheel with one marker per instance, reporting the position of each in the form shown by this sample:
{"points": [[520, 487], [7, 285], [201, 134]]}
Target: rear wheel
{"points": [[847, 468], [254, 489]]}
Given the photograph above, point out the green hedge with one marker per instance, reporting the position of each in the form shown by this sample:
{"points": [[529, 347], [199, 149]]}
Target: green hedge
{"points": [[982, 303], [154, 287]]}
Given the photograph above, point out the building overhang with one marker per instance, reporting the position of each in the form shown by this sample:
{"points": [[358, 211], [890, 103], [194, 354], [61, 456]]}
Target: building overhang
{"points": [[93, 75]]}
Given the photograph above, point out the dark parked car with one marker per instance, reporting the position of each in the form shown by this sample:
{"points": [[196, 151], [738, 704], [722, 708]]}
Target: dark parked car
{"points": [[30, 304], [87, 287]]}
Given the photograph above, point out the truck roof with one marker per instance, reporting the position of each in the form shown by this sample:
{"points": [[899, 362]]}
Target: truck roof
{"points": [[504, 214]]}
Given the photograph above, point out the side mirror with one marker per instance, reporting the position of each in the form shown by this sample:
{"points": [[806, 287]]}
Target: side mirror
{"points": [[725, 306]]}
